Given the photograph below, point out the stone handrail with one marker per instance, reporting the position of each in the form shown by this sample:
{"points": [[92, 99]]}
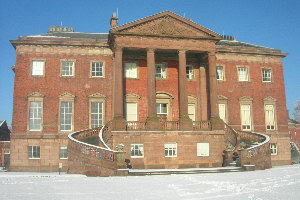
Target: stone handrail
{"points": [[231, 137], [84, 158], [259, 154]]}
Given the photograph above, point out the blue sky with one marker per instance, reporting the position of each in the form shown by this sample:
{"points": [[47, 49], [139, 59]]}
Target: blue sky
{"points": [[270, 23]]}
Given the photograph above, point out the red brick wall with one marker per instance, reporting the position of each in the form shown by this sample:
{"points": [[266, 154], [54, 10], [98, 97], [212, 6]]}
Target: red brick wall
{"points": [[52, 85], [255, 89]]}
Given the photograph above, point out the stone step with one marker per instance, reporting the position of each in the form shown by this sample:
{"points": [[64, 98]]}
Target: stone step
{"points": [[146, 172]]}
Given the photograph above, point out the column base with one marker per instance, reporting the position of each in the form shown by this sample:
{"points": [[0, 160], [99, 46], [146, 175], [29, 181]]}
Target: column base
{"points": [[152, 123], [118, 124], [185, 123], [216, 123]]}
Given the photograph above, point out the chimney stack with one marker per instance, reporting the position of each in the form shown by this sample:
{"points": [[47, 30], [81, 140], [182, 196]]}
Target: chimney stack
{"points": [[113, 20]]}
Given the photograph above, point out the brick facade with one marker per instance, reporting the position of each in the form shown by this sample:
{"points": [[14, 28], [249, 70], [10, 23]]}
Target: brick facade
{"points": [[132, 42]]}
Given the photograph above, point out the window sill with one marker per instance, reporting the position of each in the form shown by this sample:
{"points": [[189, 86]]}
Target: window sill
{"points": [[34, 158], [137, 156], [63, 158]]}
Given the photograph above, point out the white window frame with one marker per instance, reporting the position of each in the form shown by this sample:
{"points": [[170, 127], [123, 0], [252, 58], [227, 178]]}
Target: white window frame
{"points": [[97, 98], [273, 148], [63, 152], [246, 117], [190, 75], [159, 111], [243, 73], [220, 73], [192, 115], [97, 67], [136, 149], [160, 73], [98, 114], [202, 149], [35, 97], [64, 112], [270, 117], [35, 115], [67, 71], [170, 150], [266, 75], [38, 68], [135, 115], [131, 70], [34, 152], [222, 111]]}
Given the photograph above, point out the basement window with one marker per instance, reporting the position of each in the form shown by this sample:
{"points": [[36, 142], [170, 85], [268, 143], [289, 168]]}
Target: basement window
{"points": [[171, 150]]}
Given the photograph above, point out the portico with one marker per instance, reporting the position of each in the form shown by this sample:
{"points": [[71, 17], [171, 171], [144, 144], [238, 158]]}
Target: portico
{"points": [[167, 32]]}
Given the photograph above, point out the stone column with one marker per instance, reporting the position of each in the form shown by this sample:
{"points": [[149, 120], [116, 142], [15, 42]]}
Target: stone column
{"points": [[203, 93], [217, 123], [119, 122], [152, 120], [185, 121]]}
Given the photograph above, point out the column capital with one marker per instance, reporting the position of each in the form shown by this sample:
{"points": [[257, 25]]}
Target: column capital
{"points": [[118, 48], [211, 53], [150, 50], [181, 51]]}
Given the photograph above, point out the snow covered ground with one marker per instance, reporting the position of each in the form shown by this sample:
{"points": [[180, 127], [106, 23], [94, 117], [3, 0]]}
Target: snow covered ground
{"points": [[276, 183]]}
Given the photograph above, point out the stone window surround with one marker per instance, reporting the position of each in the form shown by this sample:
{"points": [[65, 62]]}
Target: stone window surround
{"points": [[137, 69], [270, 101], [271, 71], [32, 150], [133, 98], [224, 77], [62, 148], [172, 146], [67, 60], [91, 67], [248, 73], [38, 59], [66, 97], [273, 146], [224, 100], [139, 145], [245, 100], [192, 99], [194, 74], [167, 98], [205, 144], [97, 97], [34, 97], [166, 66]]}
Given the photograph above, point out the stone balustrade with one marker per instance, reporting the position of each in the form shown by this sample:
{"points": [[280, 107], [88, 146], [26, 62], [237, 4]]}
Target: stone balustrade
{"points": [[92, 160], [231, 137], [259, 154], [167, 125]]}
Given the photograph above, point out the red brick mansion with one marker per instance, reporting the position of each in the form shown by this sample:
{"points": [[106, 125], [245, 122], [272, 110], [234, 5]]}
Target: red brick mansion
{"points": [[160, 92]]}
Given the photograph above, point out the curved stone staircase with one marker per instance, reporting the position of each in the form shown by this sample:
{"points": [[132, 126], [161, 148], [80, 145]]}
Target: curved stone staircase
{"points": [[101, 160]]}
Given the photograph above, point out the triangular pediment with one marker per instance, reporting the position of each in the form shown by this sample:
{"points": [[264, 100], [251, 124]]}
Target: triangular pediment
{"points": [[166, 24]]}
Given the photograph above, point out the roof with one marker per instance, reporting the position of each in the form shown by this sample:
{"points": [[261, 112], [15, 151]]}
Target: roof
{"points": [[229, 45], [73, 35], [1, 122], [164, 14]]}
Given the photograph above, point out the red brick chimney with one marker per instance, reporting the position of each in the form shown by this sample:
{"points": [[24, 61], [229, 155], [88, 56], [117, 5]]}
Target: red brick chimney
{"points": [[113, 20]]}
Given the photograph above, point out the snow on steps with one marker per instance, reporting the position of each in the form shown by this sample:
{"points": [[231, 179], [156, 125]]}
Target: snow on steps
{"points": [[144, 172]]}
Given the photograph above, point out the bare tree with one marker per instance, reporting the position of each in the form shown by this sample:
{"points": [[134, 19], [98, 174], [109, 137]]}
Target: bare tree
{"points": [[296, 112]]}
